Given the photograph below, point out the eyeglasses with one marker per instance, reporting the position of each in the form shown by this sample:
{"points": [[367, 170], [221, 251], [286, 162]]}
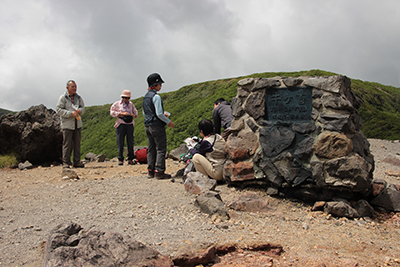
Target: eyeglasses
{"points": [[124, 97]]}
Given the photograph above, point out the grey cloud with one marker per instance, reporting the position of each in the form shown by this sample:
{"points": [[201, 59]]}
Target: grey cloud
{"points": [[109, 46]]}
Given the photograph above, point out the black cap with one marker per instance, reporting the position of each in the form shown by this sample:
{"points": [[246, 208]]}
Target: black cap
{"points": [[154, 79]]}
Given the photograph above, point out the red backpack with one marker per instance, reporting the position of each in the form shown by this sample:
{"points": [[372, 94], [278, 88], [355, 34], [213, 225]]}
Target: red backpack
{"points": [[141, 155]]}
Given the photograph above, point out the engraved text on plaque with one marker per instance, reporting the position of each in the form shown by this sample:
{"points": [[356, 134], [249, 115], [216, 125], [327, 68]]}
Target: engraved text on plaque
{"points": [[289, 104]]}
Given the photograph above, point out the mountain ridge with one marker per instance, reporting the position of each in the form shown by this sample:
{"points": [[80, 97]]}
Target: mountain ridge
{"points": [[191, 103], [188, 105]]}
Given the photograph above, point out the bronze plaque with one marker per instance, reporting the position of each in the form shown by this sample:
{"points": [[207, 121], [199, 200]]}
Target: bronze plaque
{"points": [[289, 104]]}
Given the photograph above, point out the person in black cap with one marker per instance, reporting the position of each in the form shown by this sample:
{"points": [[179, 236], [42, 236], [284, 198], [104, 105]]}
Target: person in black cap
{"points": [[155, 119]]}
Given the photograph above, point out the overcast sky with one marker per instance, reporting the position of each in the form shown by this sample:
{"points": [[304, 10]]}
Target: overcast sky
{"points": [[108, 46]]}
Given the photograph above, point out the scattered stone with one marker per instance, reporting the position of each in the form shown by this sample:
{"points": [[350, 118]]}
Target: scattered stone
{"points": [[250, 202], [197, 183], [25, 166], [69, 174], [91, 157], [212, 194], [70, 245], [393, 160], [319, 205], [176, 153], [364, 209], [340, 209], [272, 191], [377, 186], [212, 206], [101, 158], [194, 254], [388, 199]]}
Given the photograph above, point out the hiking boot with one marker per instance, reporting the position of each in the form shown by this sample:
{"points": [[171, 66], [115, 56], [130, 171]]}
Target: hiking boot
{"points": [[120, 163], [150, 174], [162, 175], [131, 162], [79, 165]]}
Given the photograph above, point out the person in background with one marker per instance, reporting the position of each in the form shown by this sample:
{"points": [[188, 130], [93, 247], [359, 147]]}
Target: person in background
{"points": [[210, 158], [222, 116], [155, 119], [70, 107], [125, 111]]}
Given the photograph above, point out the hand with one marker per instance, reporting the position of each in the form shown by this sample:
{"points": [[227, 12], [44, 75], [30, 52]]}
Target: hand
{"points": [[123, 114], [171, 124], [75, 113]]}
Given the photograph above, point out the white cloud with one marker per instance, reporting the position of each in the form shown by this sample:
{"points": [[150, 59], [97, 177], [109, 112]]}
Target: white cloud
{"points": [[109, 46]]}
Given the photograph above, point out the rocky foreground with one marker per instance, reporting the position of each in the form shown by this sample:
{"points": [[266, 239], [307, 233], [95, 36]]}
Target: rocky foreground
{"points": [[163, 216]]}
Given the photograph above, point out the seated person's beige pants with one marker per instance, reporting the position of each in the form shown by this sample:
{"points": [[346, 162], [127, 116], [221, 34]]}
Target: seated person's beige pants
{"points": [[205, 167]]}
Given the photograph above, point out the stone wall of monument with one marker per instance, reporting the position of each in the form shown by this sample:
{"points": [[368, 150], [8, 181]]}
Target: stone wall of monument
{"points": [[299, 137]]}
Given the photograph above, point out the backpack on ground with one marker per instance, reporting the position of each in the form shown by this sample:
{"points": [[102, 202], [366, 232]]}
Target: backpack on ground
{"points": [[141, 155]]}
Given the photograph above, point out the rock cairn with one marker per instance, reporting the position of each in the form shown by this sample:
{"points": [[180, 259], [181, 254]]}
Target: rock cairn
{"points": [[299, 137]]}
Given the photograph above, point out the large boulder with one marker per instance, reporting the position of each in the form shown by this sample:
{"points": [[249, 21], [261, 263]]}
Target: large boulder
{"points": [[35, 135], [70, 245]]}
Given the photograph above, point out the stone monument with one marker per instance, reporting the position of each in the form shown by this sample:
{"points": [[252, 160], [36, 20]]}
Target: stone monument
{"points": [[299, 137]]}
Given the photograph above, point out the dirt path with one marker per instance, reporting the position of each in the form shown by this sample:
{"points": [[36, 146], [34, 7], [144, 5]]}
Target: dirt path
{"points": [[161, 214]]}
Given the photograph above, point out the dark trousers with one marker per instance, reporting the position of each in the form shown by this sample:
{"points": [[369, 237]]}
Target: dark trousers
{"points": [[71, 141], [156, 147], [122, 131]]}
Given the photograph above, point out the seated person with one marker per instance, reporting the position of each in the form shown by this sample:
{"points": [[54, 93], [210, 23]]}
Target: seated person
{"points": [[209, 159], [222, 116]]}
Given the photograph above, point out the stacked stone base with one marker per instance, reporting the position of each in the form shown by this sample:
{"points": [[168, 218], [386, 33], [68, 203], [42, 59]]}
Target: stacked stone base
{"points": [[320, 158]]}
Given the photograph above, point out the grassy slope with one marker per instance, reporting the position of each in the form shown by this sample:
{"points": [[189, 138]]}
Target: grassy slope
{"points": [[191, 103], [5, 111]]}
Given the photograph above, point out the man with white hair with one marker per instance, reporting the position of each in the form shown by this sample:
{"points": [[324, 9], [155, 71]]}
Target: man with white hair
{"points": [[70, 107]]}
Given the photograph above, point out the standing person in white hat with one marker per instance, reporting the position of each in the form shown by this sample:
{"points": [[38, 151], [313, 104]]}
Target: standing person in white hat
{"points": [[125, 111]]}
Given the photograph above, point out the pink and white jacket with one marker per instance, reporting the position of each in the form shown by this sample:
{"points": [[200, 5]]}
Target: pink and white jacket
{"points": [[121, 106]]}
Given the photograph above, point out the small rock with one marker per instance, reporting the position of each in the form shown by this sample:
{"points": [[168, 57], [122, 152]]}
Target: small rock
{"points": [[25, 166], [69, 174]]}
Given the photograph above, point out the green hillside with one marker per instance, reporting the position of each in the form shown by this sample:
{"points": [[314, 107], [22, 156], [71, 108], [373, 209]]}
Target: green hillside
{"points": [[5, 111], [191, 103]]}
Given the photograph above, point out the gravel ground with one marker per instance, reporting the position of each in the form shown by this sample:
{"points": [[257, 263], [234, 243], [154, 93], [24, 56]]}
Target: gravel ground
{"points": [[161, 214]]}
